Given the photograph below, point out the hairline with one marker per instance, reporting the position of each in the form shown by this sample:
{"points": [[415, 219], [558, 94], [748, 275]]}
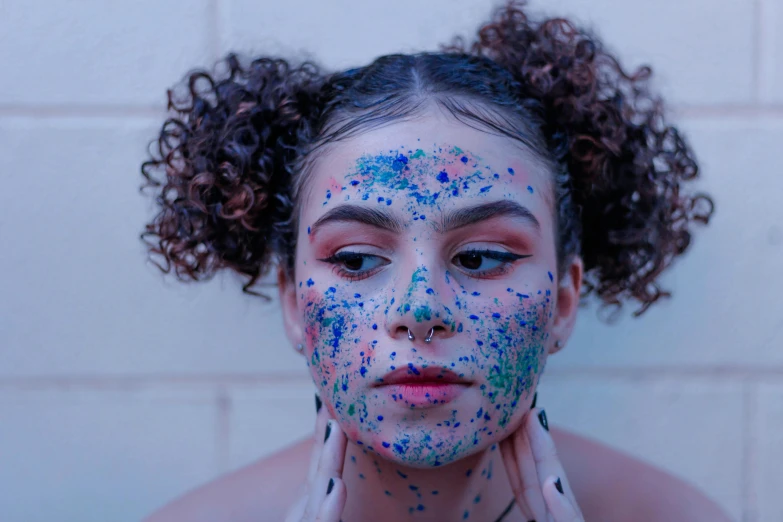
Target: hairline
{"points": [[304, 166]]}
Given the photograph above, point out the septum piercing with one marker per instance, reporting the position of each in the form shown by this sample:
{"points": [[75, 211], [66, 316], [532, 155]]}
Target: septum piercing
{"points": [[427, 339]]}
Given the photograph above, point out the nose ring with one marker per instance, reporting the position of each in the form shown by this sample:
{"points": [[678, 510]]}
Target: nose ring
{"points": [[427, 339]]}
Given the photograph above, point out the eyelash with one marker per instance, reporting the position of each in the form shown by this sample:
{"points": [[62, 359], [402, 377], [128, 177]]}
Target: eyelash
{"points": [[507, 258]]}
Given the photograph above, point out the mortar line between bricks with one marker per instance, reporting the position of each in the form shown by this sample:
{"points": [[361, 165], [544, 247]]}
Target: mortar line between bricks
{"points": [[749, 452], [113, 382], [223, 430]]}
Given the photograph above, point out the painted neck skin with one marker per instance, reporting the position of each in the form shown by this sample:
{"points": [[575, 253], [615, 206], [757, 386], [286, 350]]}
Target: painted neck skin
{"points": [[474, 488], [426, 225]]}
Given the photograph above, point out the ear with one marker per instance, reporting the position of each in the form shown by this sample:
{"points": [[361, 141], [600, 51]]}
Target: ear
{"points": [[292, 320], [566, 304]]}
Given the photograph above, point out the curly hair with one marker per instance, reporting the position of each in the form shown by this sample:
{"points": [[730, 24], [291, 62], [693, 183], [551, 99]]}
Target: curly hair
{"points": [[236, 152]]}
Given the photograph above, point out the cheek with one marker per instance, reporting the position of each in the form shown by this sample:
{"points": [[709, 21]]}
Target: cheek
{"points": [[508, 334], [341, 343]]}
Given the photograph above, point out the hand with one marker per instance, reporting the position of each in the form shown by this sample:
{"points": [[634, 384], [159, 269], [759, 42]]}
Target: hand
{"points": [[533, 468], [324, 495]]}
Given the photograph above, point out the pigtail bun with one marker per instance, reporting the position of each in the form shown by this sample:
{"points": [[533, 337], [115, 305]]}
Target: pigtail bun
{"points": [[223, 165], [625, 164]]}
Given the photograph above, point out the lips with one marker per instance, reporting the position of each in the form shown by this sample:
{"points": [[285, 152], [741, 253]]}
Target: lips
{"points": [[422, 387], [411, 375]]}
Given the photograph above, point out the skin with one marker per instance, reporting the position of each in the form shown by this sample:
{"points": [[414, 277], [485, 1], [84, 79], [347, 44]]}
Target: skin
{"points": [[496, 315], [607, 484]]}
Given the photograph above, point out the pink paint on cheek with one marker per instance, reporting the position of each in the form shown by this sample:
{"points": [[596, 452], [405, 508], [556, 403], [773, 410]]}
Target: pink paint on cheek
{"points": [[369, 353]]}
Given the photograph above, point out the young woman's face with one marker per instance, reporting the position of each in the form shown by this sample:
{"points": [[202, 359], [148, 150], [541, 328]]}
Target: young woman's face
{"points": [[414, 226]]}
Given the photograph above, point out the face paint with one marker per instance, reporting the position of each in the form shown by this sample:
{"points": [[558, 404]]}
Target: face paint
{"points": [[494, 314]]}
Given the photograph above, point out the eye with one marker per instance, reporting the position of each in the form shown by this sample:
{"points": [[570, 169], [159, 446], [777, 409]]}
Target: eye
{"points": [[355, 265], [483, 263]]}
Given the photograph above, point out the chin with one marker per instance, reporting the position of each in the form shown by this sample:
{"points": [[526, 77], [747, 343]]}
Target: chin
{"points": [[425, 445]]}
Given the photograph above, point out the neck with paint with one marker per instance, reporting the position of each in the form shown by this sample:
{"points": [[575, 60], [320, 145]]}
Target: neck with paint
{"points": [[474, 488]]}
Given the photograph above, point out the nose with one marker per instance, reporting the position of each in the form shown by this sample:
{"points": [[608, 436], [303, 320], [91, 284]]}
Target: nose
{"points": [[436, 330], [421, 314]]}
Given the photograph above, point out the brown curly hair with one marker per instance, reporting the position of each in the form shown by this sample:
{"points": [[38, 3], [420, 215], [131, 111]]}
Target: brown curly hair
{"points": [[237, 150]]}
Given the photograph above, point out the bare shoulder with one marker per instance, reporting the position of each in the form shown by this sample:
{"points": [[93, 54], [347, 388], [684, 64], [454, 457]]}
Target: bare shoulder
{"points": [[609, 485], [261, 490], [612, 486]]}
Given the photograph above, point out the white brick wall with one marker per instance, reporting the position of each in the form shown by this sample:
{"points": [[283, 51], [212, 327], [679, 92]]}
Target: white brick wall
{"points": [[120, 390]]}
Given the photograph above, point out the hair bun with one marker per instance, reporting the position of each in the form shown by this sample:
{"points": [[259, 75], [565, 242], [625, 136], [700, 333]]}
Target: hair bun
{"points": [[223, 166], [625, 166]]}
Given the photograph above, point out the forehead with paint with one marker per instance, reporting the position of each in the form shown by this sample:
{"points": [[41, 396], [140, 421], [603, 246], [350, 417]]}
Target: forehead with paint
{"points": [[426, 226], [432, 163]]}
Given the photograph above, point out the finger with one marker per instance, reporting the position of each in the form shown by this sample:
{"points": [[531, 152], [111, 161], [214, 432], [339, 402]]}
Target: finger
{"points": [[560, 506], [330, 464], [333, 454], [321, 416], [297, 511], [531, 485], [545, 453], [333, 504], [512, 471]]}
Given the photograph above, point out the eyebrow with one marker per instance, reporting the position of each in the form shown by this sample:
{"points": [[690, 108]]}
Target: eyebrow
{"points": [[452, 220]]}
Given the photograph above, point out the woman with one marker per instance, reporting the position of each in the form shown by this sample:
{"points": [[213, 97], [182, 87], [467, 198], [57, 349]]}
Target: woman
{"points": [[434, 220]]}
